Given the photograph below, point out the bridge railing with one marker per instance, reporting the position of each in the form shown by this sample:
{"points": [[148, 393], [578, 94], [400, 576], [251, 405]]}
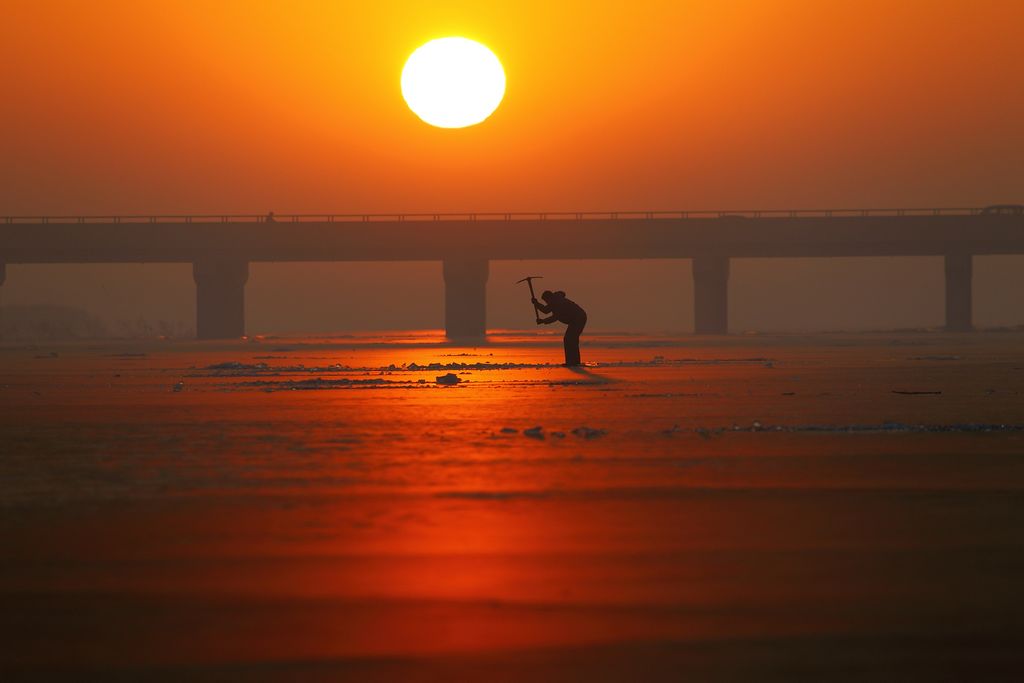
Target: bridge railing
{"points": [[488, 216]]}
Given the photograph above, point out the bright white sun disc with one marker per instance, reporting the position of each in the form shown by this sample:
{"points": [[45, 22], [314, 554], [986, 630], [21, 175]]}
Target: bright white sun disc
{"points": [[453, 82]]}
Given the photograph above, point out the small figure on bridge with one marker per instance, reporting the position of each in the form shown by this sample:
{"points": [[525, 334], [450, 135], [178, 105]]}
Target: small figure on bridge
{"points": [[269, 218], [566, 311]]}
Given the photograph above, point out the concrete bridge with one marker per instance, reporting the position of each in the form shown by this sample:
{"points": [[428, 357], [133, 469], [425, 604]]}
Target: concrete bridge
{"points": [[222, 247]]}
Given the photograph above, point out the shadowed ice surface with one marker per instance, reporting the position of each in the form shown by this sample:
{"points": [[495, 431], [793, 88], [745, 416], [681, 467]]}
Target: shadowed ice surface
{"points": [[777, 508]]}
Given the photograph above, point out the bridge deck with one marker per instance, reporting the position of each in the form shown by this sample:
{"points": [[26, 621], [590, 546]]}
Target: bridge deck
{"points": [[624, 235]]}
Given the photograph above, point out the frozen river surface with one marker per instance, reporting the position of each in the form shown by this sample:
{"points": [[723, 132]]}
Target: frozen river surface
{"points": [[762, 508]]}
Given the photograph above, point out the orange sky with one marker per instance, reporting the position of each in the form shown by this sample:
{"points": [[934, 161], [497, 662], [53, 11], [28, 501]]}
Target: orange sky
{"points": [[242, 106], [295, 106]]}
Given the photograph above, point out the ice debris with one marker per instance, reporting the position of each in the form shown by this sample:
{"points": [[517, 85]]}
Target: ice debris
{"points": [[885, 427], [449, 379], [237, 368], [416, 367], [235, 365], [588, 433], [534, 432], [320, 383]]}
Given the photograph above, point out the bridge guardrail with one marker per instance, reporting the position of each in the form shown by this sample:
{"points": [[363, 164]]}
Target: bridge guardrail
{"points": [[486, 216]]}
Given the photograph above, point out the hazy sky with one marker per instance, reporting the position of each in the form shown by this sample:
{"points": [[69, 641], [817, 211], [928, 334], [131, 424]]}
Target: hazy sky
{"points": [[146, 107]]}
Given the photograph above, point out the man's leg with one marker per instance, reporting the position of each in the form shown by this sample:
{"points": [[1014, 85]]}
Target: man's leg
{"points": [[571, 341], [577, 329]]}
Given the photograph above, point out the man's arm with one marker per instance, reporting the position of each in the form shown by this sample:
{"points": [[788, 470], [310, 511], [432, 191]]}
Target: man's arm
{"points": [[546, 321], [541, 307]]}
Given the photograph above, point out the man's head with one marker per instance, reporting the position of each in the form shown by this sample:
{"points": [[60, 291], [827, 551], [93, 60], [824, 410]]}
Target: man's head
{"points": [[547, 295]]}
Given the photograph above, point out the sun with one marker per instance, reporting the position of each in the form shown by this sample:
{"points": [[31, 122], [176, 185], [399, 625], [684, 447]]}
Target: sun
{"points": [[453, 82]]}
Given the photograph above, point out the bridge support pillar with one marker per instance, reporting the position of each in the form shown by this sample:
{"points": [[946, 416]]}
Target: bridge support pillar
{"points": [[220, 298], [465, 298], [711, 294], [3, 278], [959, 280]]}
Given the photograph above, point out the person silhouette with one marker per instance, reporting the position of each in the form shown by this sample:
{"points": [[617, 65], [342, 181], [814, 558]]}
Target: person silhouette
{"points": [[566, 311]]}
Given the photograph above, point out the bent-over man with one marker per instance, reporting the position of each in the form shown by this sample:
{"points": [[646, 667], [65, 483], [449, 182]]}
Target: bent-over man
{"points": [[566, 311]]}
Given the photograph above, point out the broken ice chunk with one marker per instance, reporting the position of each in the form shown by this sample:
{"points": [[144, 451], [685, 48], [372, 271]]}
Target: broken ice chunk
{"points": [[534, 432]]}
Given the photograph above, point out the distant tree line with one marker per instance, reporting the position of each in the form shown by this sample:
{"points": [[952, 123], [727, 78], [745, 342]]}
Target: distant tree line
{"points": [[43, 322]]}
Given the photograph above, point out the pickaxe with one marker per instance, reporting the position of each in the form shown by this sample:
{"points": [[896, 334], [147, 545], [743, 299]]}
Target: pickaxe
{"points": [[533, 297]]}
